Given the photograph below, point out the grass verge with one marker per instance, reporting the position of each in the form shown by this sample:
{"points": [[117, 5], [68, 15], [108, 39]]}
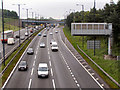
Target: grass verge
{"points": [[110, 66]]}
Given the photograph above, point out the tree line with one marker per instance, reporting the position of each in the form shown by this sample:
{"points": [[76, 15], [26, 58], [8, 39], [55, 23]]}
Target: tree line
{"points": [[10, 14], [110, 14]]}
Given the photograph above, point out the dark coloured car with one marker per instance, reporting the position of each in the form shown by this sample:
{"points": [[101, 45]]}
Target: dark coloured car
{"points": [[23, 66], [44, 35], [30, 51]]}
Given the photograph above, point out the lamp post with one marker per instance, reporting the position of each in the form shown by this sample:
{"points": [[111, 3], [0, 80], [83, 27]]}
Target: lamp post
{"points": [[19, 18], [3, 34], [82, 21], [27, 19]]}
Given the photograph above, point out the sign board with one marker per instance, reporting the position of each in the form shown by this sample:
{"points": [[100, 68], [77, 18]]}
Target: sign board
{"points": [[90, 44], [86, 29]]}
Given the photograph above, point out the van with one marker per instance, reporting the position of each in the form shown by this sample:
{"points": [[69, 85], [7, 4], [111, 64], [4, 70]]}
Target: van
{"points": [[10, 41], [54, 46], [43, 70]]}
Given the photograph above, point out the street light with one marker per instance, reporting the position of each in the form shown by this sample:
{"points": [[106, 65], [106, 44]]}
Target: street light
{"points": [[82, 21], [19, 19], [3, 34], [27, 18]]}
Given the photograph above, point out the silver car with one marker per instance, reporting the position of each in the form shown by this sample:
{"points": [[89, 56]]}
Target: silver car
{"points": [[42, 45], [23, 66]]}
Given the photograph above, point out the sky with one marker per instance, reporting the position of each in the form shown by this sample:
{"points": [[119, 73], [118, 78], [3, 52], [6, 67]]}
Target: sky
{"points": [[57, 9]]}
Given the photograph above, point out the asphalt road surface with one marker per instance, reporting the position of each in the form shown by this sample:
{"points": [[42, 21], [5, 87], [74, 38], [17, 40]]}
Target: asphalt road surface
{"points": [[64, 70]]}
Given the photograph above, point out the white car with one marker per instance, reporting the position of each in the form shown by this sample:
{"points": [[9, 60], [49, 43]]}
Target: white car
{"points": [[43, 70], [56, 31], [42, 45], [54, 46], [51, 33], [26, 34], [10, 41]]}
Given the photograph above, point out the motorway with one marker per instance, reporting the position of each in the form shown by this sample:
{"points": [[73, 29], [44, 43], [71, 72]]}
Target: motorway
{"points": [[64, 70], [9, 48]]}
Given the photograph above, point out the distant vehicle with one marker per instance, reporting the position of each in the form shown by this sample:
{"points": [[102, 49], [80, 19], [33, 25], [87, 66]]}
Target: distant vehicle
{"points": [[51, 33], [43, 70], [56, 31], [7, 34], [17, 36], [42, 45], [23, 66], [22, 37], [44, 35], [26, 33], [52, 40], [54, 46], [10, 41], [30, 51], [39, 34], [31, 31]]}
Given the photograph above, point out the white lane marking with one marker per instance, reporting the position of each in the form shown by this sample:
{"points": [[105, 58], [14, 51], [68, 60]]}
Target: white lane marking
{"points": [[29, 83], [53, 81], [51, 72], [80, 63], [34, 63], [35, 56], [48, 49], [48, 53], [50, 63], [49, 57], [36, 52], [32, 71]]}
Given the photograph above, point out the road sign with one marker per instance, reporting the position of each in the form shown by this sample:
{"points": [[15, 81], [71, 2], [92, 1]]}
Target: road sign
{"points": [[90, 44]]}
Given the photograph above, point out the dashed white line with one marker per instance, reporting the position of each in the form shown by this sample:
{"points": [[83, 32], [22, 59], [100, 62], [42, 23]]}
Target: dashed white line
{"points": [[50, 63], [32, 71], [49, 57], [36, 52], [35, 56], [51, 72], [53, 83], [48, 53], [29, 83], [34, 63]]}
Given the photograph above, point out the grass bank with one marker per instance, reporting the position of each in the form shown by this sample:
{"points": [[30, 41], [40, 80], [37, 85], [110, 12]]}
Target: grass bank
{"points": [[112, 67]]}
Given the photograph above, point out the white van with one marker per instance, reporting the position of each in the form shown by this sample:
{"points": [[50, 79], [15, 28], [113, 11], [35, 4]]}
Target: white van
{"points": [[10, 41], [54, 46], [43, 70]]}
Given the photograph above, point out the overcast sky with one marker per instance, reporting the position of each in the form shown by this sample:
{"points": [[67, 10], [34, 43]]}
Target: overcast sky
{"points": [[52, 8]]}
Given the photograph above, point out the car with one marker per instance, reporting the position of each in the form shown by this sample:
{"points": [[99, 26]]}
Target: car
{"points": [[17, 36], [43, 70], [42, 45], [39, 34], [51, 33], [23, 66], [30, 51], [26, 33], [11, 41], [54, 46], [52, 40], [56, 31], [22, 37], [44, 35]]}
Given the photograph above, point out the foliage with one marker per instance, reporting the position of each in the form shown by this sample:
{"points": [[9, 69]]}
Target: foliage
{"points": [[10, 14], [110, 14]]}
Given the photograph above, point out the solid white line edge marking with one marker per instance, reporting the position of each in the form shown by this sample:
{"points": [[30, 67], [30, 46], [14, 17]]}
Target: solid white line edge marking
{"points": [[16, 65], [80, 63]]}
